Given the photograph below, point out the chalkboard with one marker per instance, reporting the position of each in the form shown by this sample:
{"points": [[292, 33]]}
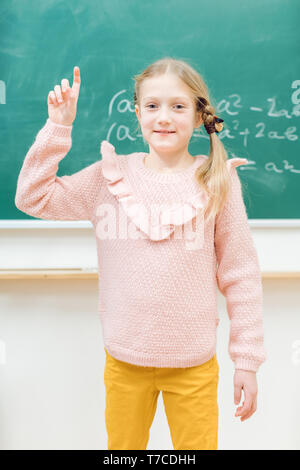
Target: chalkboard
{"points": [[247, 52]]}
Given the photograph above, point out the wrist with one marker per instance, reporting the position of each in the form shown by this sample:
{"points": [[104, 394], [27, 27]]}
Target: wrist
{"points": [[60, 124]]}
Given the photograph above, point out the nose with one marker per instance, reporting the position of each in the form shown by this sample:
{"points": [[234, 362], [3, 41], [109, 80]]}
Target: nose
{"points": [[163, 116]]}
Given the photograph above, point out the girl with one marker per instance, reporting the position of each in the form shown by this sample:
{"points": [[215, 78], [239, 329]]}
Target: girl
{"points": [[170, 229]]}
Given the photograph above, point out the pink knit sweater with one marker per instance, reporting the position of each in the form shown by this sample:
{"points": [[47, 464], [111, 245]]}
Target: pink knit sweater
{"points": [[160, 262]]}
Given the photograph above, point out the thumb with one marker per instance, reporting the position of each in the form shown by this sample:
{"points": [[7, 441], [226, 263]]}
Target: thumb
{"points": [[237, 394]]}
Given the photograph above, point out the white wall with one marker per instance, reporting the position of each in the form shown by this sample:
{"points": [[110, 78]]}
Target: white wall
{"points": [[52, 393]]}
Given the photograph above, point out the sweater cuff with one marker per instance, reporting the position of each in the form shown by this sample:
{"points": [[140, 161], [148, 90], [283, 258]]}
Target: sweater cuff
{"points": [[247, 364], [57, 130]]}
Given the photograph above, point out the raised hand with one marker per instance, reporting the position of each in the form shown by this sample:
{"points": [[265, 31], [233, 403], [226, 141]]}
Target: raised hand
{"points": [[62, 102]]}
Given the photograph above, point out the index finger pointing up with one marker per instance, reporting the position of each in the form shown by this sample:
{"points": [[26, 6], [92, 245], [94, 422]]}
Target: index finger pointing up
{"points": [[76, 80]]}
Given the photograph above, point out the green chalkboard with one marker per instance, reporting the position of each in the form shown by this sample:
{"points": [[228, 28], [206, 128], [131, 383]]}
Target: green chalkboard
{"points": [[247, 52]]}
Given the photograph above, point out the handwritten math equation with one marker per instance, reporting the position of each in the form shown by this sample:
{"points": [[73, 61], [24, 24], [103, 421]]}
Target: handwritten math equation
{"points": [[231, 107]]}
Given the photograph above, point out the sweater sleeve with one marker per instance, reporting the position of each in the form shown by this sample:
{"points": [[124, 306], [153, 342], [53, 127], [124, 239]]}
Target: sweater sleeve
{"points": [[42, 194], [239, 280]]}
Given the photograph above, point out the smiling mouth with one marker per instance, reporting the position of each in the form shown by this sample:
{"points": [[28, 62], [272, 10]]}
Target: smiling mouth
{"points": [[165, 132]]}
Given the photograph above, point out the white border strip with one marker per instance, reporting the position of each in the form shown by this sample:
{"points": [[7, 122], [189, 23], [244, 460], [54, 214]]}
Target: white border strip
{"points": [[58, 224], [37, 224]]}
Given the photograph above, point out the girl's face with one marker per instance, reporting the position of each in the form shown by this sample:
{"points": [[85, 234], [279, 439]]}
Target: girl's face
{"points": [[166, 103]]}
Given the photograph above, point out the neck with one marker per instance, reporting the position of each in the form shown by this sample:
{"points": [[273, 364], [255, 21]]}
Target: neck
{"points": [[168, 164]]}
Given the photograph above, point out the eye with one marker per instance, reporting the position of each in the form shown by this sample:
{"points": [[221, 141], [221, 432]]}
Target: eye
{"points": [[150, 106]]}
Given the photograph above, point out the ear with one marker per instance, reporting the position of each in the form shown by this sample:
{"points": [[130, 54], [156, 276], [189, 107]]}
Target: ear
{"points": [[137, 111], [198, 120]]}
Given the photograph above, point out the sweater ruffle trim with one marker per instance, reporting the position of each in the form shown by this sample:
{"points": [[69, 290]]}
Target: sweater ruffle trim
{"points": [[170, 216]]}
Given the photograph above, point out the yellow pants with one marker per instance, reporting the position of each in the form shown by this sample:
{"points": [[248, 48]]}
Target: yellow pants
{"points": [[189, 396]]}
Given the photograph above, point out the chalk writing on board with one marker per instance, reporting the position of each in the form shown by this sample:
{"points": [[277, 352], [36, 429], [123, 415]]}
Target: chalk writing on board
{"points": [[271, 166], [2, 92], [232, 106], [295, 98]]}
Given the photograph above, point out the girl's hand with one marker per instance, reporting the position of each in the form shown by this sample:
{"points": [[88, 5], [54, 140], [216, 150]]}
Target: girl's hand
{"points": [[246, 380], [62, 102]]}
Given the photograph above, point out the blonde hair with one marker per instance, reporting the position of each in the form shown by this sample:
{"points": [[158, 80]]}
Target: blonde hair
{"points": [[213, 174]]}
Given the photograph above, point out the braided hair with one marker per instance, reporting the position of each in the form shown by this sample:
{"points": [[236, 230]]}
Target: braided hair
{"points": [[211, 122]]}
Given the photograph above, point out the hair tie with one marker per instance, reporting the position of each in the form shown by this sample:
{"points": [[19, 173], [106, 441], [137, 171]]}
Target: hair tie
{"points": [[214, 126]]}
